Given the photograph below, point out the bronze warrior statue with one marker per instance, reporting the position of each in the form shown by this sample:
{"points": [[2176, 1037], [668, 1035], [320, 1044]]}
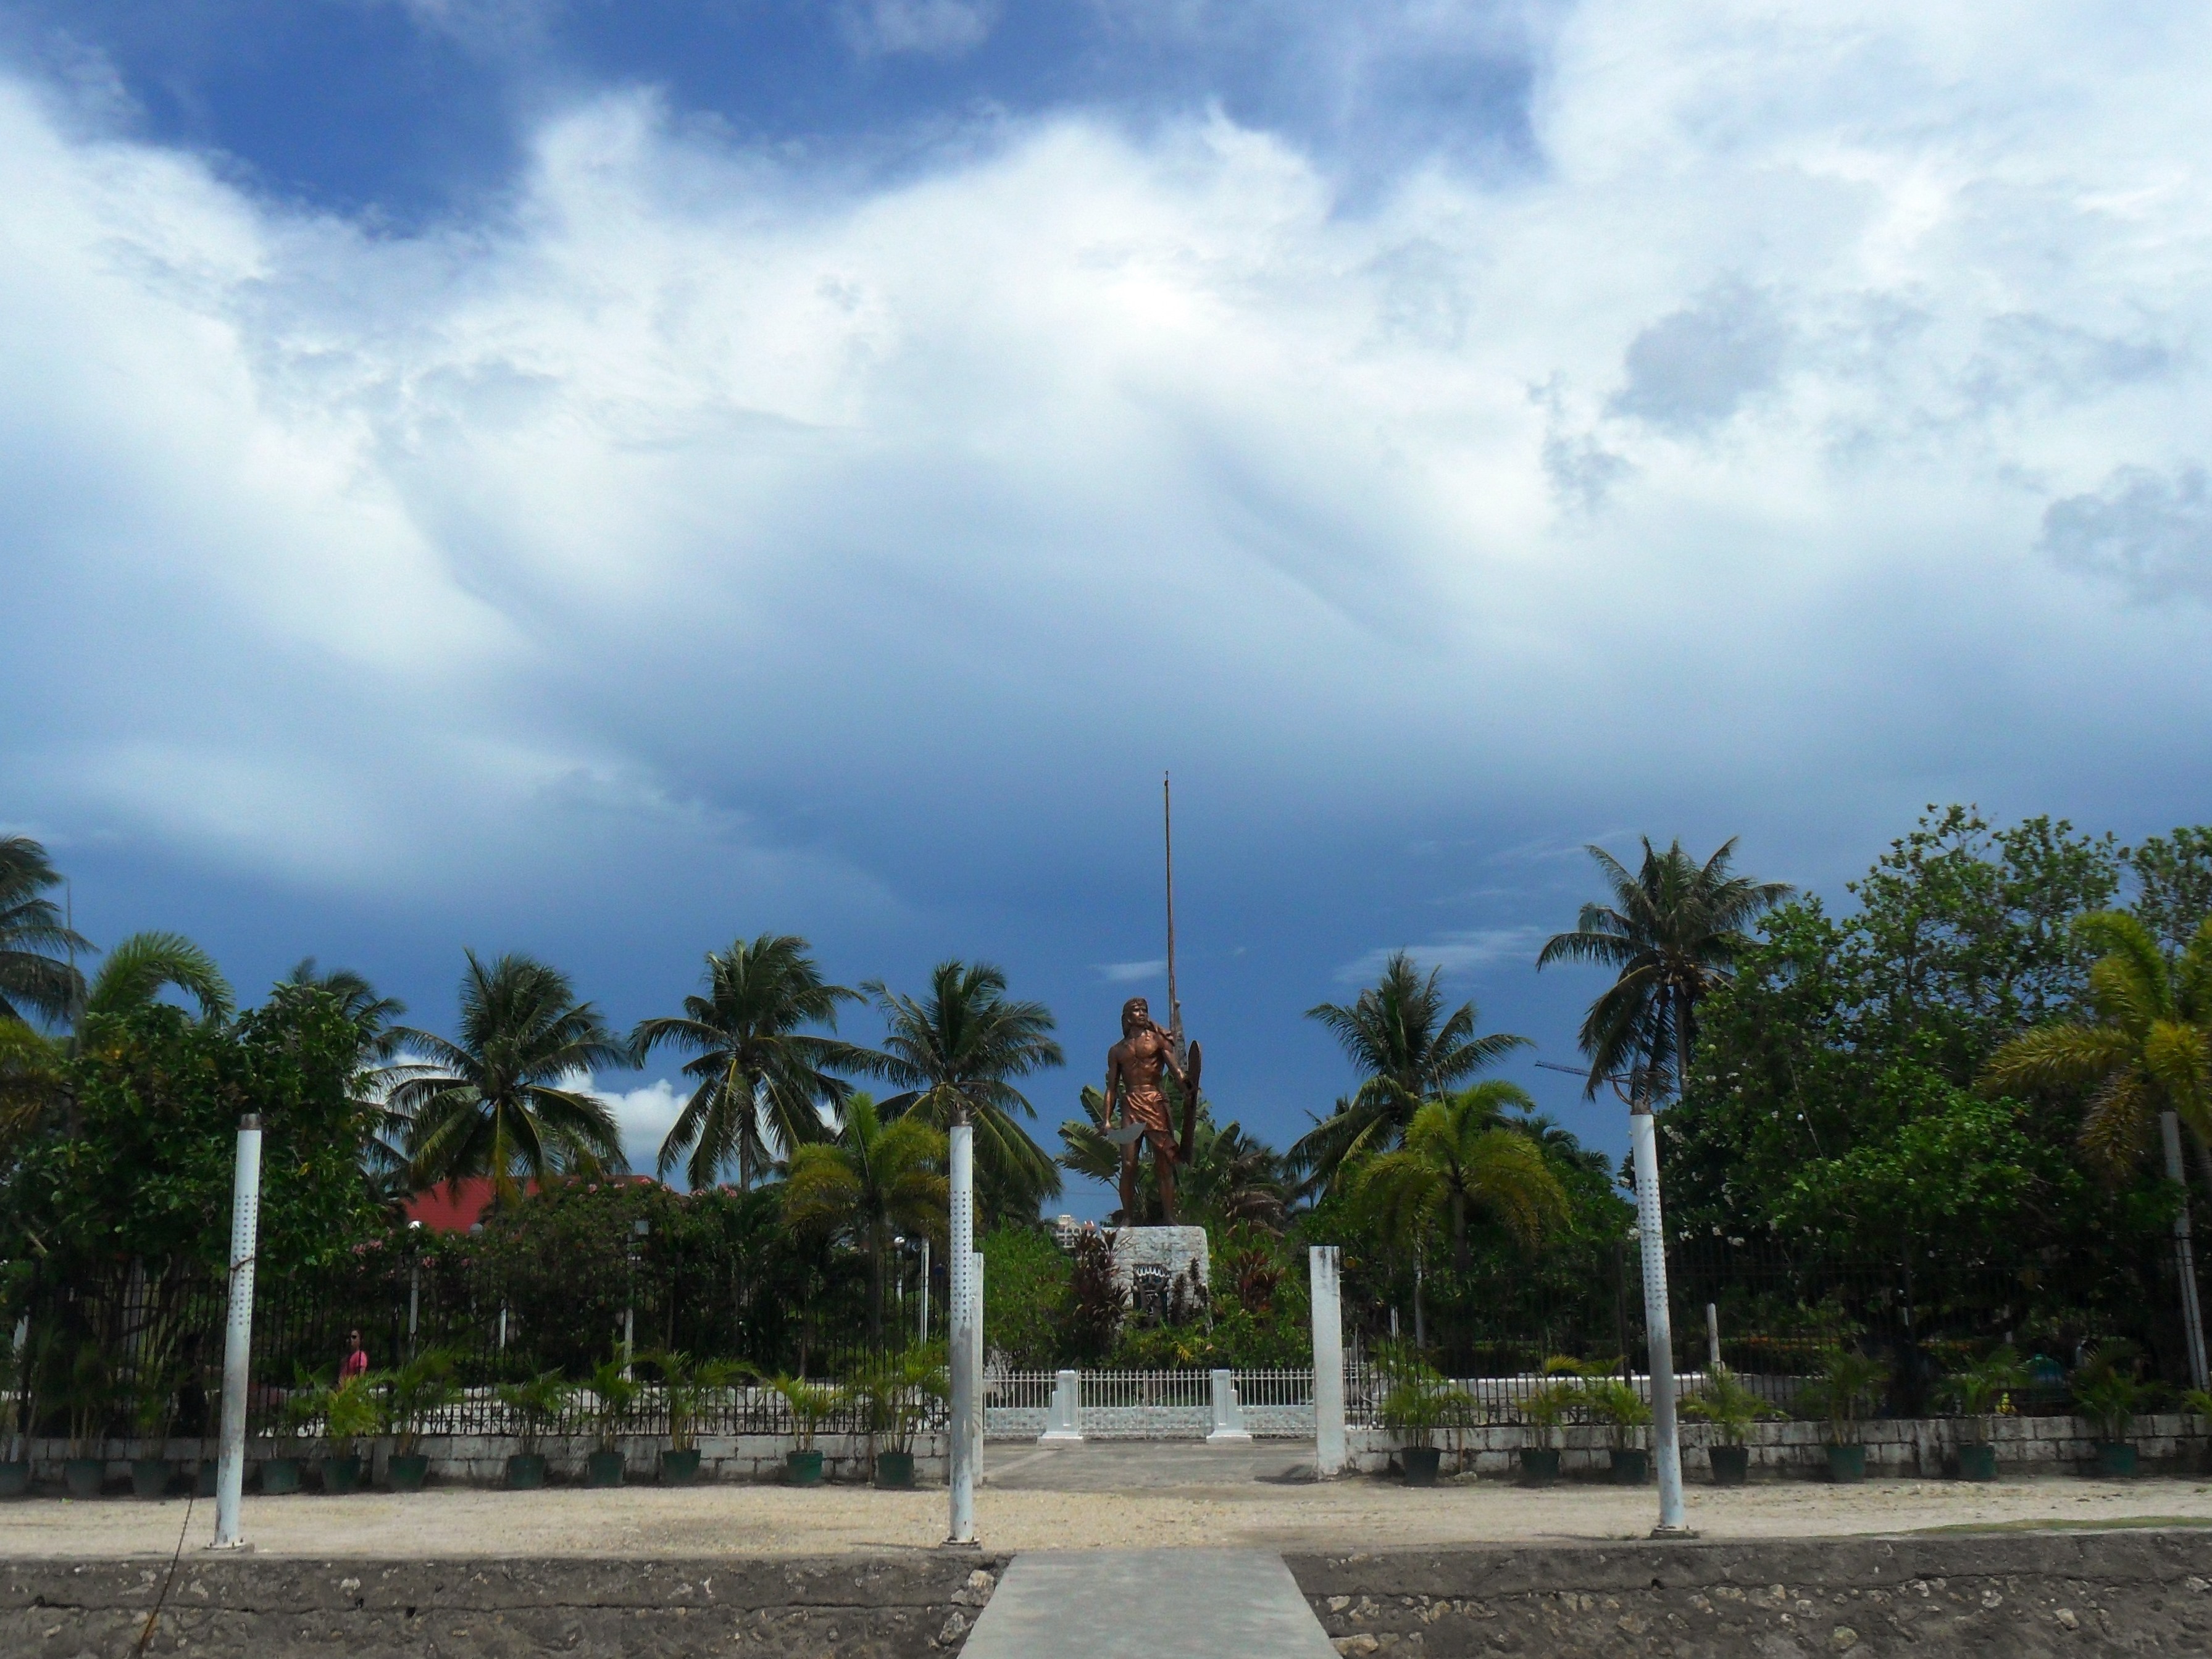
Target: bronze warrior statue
{"points": [[1133, 1067]]}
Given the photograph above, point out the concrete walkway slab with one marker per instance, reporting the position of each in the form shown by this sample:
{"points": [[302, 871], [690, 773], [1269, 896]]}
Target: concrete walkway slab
{"points": [[1148, 1604]]}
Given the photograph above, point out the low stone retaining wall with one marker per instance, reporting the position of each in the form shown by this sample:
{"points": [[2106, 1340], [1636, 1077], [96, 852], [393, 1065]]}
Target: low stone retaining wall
{"points": [[1900, 1446], [918, 1605], [481, 1460], [2022, 1594]]}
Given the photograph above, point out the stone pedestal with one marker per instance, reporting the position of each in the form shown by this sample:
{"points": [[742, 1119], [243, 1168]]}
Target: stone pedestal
{"points": [[1229, 1428], [1066, 1423], [1148, 1260]]}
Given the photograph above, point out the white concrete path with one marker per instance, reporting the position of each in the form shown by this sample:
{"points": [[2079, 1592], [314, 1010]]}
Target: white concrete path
{"points": [[1148, 1604]]}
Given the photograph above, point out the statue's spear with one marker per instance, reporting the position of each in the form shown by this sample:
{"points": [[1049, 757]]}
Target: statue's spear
{"points": [[1187, 1056]]}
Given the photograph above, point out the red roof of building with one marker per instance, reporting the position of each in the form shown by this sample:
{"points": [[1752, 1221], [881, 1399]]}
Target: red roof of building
{"points": [[456, 1206]]}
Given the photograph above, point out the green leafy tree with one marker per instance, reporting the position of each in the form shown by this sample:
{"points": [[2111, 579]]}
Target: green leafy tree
{"points": [[1459, 1161], [144, 1171], [36, 975], [1673, 931], [1409, 1052], [875, 1181], [493, 1102], [2145, 1048], [957, 1049], [760, 1075], [2173, 885]]}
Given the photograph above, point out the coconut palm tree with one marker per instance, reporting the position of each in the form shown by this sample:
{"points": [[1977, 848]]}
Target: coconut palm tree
{"points": [[1411, 1052], [492, 1103], [2145, 1048], [1460, 1159], [143, 966], [1672, 933], [958, 1050], [33, 979], [374, 1016], [761, 1076], [875, 1181]]}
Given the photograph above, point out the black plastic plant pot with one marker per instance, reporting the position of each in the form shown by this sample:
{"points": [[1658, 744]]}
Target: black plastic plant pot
{"points": [[2116, 1460], [1420, 1464], [1846, 1464], [895, 1471], [14, 1478], [1977, 1462], [280, 1476], [408, 1473], [150, 1476], [341, 1475], [526, 1472], [1731, 1465], [803, 1469], [1631, 1467], [679, 1468], [83, 1476], [603, 1469], [1539, 1468]]}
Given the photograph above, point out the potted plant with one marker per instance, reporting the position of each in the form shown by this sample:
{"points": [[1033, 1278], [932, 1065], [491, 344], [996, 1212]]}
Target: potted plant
{"points": [[302, 1405], [15, 1469], [1545, 1408], [1621, 1405], [2197, 1403], [1843, 1394], [533, 1405], [153, 1408], [897, 1390], [1416, 1400], [414, 1394], [809, 1404], [614, 1391], [2108, 1393], [87, 1395], [1725, 1402], [685, 1382], [352, 1411], [1977, 1394]]}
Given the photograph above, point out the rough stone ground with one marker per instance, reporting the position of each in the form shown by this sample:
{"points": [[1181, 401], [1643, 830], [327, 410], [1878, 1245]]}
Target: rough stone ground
{"points": [[1096, 1496]]}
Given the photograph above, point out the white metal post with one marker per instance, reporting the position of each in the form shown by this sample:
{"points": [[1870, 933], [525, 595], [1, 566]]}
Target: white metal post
{"points": [[960, 1265], [1666, 1444], [924, 1334], [238, 1332], [2184, 1250], [1712, 1337], [1328, 1360]]}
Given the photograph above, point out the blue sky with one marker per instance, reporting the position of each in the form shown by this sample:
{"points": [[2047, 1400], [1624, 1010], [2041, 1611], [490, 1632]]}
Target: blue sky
{"points": [[599, 480]]}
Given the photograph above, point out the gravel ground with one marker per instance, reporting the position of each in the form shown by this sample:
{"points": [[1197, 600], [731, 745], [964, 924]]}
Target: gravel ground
{"points": [[1262, 1512]]}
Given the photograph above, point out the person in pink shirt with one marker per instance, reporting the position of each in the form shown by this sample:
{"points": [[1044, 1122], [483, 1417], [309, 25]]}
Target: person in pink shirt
{"points": [[356, 1363]]}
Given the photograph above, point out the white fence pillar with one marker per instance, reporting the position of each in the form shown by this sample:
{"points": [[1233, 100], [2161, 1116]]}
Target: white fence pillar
{"points": [[1067, 1421], [238, 1332], [1328, 1360], [1228, 1413]]}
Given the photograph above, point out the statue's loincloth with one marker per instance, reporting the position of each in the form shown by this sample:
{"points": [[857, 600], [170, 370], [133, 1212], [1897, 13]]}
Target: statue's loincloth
{"points": [[1148, 1107]]}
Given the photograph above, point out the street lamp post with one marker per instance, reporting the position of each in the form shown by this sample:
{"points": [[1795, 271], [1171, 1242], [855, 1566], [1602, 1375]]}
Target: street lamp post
{"points": [[1666, 1444]]}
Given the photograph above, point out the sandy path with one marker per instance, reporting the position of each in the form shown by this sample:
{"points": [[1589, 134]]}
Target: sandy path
{"points": [[776, 1520]]}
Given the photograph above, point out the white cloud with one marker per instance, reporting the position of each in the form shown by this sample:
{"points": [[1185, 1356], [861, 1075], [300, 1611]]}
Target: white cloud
{"points": [[693, 478], [1460, 952], [926, 28], [1126, 972], [646, 1115]]}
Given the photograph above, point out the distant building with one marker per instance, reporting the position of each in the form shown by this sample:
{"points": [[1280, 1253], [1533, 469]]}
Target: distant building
{"points": [[454, 1206]]}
